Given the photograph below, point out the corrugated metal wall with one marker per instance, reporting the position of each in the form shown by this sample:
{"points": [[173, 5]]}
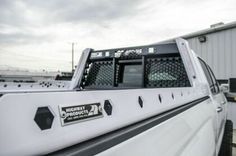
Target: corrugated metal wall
{"points": [[219, 51]]}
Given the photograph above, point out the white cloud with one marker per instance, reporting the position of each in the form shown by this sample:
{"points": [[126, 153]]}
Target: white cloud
{"points": [[36, 34]]}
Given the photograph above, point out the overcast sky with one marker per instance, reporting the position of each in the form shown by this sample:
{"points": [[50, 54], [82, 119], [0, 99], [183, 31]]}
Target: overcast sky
{"points": [[36, 34]]}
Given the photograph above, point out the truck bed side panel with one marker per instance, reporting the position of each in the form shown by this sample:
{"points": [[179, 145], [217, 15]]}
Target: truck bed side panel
{"points": [[188, 133]]}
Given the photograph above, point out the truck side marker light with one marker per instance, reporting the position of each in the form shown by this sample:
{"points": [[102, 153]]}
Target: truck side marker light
{"points": [[140, 101], [44, 118], [108, 107]]}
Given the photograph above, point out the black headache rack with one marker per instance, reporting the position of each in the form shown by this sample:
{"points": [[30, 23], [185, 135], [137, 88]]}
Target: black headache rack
{"points": [[154, 66]]}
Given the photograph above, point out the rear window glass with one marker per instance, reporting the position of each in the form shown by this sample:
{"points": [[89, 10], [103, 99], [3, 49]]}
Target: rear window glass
{"points": [[132, 76]]}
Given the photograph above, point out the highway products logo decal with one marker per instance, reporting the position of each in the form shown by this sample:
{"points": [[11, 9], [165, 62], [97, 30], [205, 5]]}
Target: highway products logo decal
{"points": [[78, 113]]}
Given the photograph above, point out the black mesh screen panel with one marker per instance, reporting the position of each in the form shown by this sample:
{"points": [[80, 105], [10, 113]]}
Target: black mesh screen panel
{"points": [[165, 72], [100, 74]]}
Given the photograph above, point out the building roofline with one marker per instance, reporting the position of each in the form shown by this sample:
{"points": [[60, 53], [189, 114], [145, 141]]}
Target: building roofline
{"points": [[211, 30], [217, 28]]}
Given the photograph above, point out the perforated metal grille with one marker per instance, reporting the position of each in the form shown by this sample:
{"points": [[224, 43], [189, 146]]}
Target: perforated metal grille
{"points": [[100, 74], [117, 74], [165, 72]]}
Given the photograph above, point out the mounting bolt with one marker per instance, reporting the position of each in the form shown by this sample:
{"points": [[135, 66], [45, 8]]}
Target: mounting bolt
{"points": [[44, 118], [108, 107]]}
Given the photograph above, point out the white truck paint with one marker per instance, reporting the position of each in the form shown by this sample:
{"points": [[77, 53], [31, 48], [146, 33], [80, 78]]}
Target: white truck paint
{"points": [[190, 133], [196, 131]]}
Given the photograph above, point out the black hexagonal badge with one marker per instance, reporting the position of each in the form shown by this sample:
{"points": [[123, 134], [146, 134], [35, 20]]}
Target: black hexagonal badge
{"points": [[44, 118]]}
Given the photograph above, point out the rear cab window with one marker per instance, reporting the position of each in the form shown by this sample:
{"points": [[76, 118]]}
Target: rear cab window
{"points": [[130, 75], [213, 84]]}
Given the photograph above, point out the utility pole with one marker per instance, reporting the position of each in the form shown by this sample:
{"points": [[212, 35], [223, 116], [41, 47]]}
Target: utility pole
{"points": [[72, 61], [73, 56]]}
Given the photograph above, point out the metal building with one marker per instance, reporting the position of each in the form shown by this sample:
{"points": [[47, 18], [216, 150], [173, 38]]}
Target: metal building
{"points": [[217, 46]]}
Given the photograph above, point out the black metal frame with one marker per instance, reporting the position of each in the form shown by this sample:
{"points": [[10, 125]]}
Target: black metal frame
{"points": [[163, 50]]}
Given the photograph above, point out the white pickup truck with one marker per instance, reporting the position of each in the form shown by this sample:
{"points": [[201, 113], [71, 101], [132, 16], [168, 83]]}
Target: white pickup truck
{"points": [[157, 99]]}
